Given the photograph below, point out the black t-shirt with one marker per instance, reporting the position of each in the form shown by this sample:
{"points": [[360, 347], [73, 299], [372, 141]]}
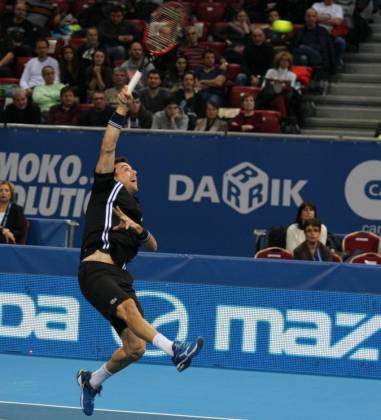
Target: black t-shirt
{"points": [[122, 245]]}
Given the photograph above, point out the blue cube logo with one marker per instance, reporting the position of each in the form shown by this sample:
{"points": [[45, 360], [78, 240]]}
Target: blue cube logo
{"points": [[245, 187]]}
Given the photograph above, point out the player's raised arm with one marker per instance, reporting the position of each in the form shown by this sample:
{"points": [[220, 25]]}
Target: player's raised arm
{"points": [[107, 153]]}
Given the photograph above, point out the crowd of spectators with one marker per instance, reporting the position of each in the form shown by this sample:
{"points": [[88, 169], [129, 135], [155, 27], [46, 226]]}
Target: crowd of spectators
{"points": [[84, 55]]}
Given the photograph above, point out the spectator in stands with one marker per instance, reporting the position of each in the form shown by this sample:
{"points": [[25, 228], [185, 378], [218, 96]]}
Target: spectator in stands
{"points": [[43, 15], [116, 34], [137, 60], [12, 219], [211, 122], [32, 74], [331, 17], [119, 79], [280, 92], [191, 48], [313, 45], [98, 76], [295, 232], [21, 110], [171, 118], [17, 31], [86, 52], [137, 116], [47, 95], [7, 56], [312, 249], [211, 78], [235, 35], [257, 10], [189, 100], [257, 58], [281, 41], [99, 115], [67, 112], [173, 79], [154, 97], [70, 70], [246, 120]]}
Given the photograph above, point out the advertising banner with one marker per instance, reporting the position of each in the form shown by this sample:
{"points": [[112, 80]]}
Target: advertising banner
{"points": [[202, 194], [296, 331]]}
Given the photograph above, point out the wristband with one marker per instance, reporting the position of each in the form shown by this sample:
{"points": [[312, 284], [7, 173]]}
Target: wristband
{"points": [[144, 236], [117, 120]]}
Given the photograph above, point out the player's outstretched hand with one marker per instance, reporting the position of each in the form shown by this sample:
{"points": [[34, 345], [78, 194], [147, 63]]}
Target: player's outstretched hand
{"points": [[125, 222], [125, 97]]}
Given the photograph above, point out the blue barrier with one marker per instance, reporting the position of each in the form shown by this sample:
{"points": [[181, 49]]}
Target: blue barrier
{"points": [[251, 319], [48, 232], [202, 194]]}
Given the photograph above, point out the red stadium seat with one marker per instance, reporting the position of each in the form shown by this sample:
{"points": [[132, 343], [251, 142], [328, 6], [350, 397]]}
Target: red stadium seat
{"points": [[118, 62], [62, 5], [217, 47], [232, 71], [336, 258], [210, 12], [274, 253], [20, 64], [370, 258], [79, 5], [9, 81], [360, 241], [85, 107], [237, 92], [138, 24], [268, 121], [77, 42]]}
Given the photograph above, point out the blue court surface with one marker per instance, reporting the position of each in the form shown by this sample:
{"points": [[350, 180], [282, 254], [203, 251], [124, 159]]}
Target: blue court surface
{"points": [[36, 388]]}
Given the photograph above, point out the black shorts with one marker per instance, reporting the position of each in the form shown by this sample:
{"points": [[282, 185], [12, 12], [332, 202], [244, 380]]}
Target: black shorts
{"points": [[105, 286]]}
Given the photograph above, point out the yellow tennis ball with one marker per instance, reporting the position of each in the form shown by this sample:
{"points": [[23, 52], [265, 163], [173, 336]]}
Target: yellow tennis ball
{"points": [[283, 26]]}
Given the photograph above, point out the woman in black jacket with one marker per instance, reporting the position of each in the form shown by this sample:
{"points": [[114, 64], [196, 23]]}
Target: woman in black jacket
{"points": [[12, 220]]}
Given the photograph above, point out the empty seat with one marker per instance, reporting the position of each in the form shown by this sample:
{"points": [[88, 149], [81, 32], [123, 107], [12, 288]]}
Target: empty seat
{"points": [[9, 81], [62, 5], [79, 5], [237, 92], [275, 252], [20, 64], [138, 24], [210, 12], [77, 42], [370, 258], [232, 71], [268, 121], [360, 242]]}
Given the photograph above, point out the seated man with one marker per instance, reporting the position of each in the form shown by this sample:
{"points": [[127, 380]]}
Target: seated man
{"points": [[67, 112], [47, 95], [137, 60], [154, 97], [119, 79], [171, 118], [85, 52], [22, 111], [32, 74], [211, 79], [100, 114]]}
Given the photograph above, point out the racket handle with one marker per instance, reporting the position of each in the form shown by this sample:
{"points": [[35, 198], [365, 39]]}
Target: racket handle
{"points": [[134, 81]]}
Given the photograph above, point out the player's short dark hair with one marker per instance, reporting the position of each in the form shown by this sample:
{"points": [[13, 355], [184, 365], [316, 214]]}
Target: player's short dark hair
{"points": [[120, 159]]}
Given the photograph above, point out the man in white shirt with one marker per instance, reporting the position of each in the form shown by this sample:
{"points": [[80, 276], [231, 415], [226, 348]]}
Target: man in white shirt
{"points": [[32, 74], [330, 15]]}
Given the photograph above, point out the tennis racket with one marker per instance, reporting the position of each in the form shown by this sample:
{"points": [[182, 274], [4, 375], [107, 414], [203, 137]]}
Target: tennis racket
{"points": [[161, 34]]}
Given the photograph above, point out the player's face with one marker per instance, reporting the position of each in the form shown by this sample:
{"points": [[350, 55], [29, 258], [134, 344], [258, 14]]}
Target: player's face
{"points": [[126, 175], [312, 234]]}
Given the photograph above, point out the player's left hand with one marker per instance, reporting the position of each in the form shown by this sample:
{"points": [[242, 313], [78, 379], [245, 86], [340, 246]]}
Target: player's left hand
{"points": [[125, 222]]}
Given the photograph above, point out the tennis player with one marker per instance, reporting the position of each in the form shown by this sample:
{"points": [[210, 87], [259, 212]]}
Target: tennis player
{"points": [[112, 236]]}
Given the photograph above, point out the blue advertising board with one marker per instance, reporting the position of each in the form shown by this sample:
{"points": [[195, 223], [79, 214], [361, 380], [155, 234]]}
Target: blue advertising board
{"points": [[202, 194]]}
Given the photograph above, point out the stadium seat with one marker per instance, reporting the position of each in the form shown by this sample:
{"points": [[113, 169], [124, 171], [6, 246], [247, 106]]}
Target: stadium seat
{"points": [[232, 71], [9, 81], [210, 12], [268, 121], [237, 92], [360, 241], [118, 62], [62, 5], [217, 47], [85, 107], [79, 5], [370, 258], [275, 252], [336, 258], [20, 64], [138, 24], [77, 42]]}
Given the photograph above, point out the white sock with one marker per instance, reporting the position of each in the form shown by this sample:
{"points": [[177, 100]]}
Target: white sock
{"points": [[99, 376], [163, 343]]}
